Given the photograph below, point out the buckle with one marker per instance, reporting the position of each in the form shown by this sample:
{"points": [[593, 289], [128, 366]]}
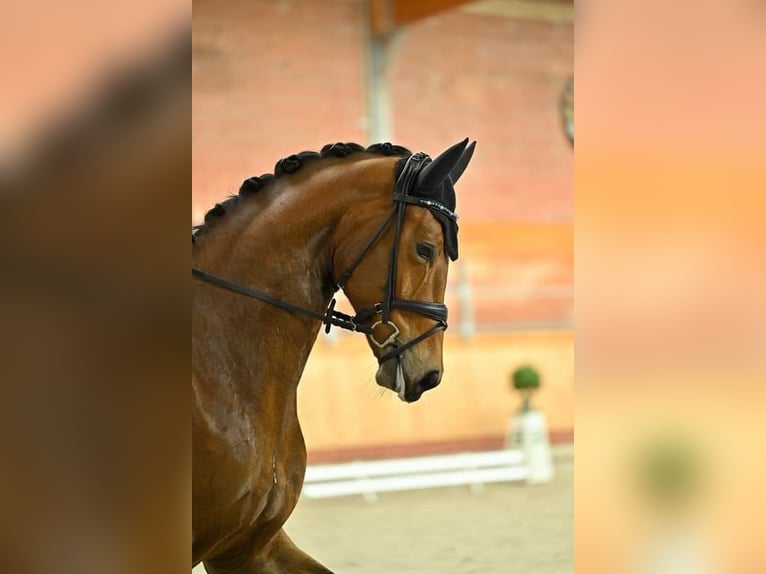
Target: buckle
{"points": [[390, 339]]}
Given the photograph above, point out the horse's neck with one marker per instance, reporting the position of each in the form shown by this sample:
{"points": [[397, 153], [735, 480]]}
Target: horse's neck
{"points": [[280, 248]]}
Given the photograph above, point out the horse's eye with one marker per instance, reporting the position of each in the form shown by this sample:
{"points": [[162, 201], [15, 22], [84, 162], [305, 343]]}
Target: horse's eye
{"points": [[427, 252]]}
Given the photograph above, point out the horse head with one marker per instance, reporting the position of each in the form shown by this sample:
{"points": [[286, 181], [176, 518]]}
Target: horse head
{"points": [[396, 259]]}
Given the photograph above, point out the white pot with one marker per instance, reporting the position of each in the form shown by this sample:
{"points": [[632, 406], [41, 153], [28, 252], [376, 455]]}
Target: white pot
{"points": [[528, 432]]}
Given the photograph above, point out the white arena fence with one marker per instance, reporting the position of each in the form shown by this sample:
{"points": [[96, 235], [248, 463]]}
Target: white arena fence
{"points": [[368, 478]]}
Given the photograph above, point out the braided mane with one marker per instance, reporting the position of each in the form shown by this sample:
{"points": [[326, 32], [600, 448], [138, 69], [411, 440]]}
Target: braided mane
{"points": [[288, 165]]}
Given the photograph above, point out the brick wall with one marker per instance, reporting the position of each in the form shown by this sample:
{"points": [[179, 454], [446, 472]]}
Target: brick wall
{"points": [[275, 77], [270, 78], [498, 80]]}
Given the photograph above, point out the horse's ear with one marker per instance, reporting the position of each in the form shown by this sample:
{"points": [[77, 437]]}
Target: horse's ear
{"points": [[439, 169], [462, 163]]}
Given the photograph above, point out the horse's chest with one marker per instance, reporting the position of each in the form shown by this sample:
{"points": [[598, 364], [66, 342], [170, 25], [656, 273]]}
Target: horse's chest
{"points": [[247, 478], [284, 489], [277, 479]]}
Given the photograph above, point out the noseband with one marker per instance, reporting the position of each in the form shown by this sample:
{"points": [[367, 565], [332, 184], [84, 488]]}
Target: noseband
{"points": [[405, 185]]}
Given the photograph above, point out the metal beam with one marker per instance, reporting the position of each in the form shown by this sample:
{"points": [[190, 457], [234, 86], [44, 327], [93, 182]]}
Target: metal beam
{"points": [[376, 83], [385, 18], [408, 11]]}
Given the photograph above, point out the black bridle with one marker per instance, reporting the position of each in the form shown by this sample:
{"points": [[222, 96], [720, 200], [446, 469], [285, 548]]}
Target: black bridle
{"points": [[405, 184]]}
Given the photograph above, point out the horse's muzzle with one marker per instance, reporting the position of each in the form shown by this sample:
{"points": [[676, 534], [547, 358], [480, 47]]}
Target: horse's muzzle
{"points": [[431, 380]]}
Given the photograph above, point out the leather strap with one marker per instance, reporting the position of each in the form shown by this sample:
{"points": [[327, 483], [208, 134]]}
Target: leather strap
{"points": [[347, 274], [400, 349], [330, 317]]}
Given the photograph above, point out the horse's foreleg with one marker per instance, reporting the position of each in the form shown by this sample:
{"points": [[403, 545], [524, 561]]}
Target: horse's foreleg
{"points": [[280, 556], [285, 557]]}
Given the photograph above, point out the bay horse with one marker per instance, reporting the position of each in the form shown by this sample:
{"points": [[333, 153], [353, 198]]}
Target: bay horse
{"points": [[378, 223]]}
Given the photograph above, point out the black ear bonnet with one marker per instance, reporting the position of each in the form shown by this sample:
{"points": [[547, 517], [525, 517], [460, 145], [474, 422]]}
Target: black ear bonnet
{"points": [[432, 186], [443, 195]]}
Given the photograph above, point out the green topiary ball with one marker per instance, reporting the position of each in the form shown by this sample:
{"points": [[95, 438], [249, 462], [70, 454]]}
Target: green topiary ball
{"points": [[525, 378], [669, 470]]}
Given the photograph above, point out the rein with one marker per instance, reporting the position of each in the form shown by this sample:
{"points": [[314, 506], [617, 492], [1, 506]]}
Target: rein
{"points": [[405, 183]]}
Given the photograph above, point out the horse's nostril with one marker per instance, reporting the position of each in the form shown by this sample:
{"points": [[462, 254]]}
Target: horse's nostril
{"points": [[431, 380]]}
